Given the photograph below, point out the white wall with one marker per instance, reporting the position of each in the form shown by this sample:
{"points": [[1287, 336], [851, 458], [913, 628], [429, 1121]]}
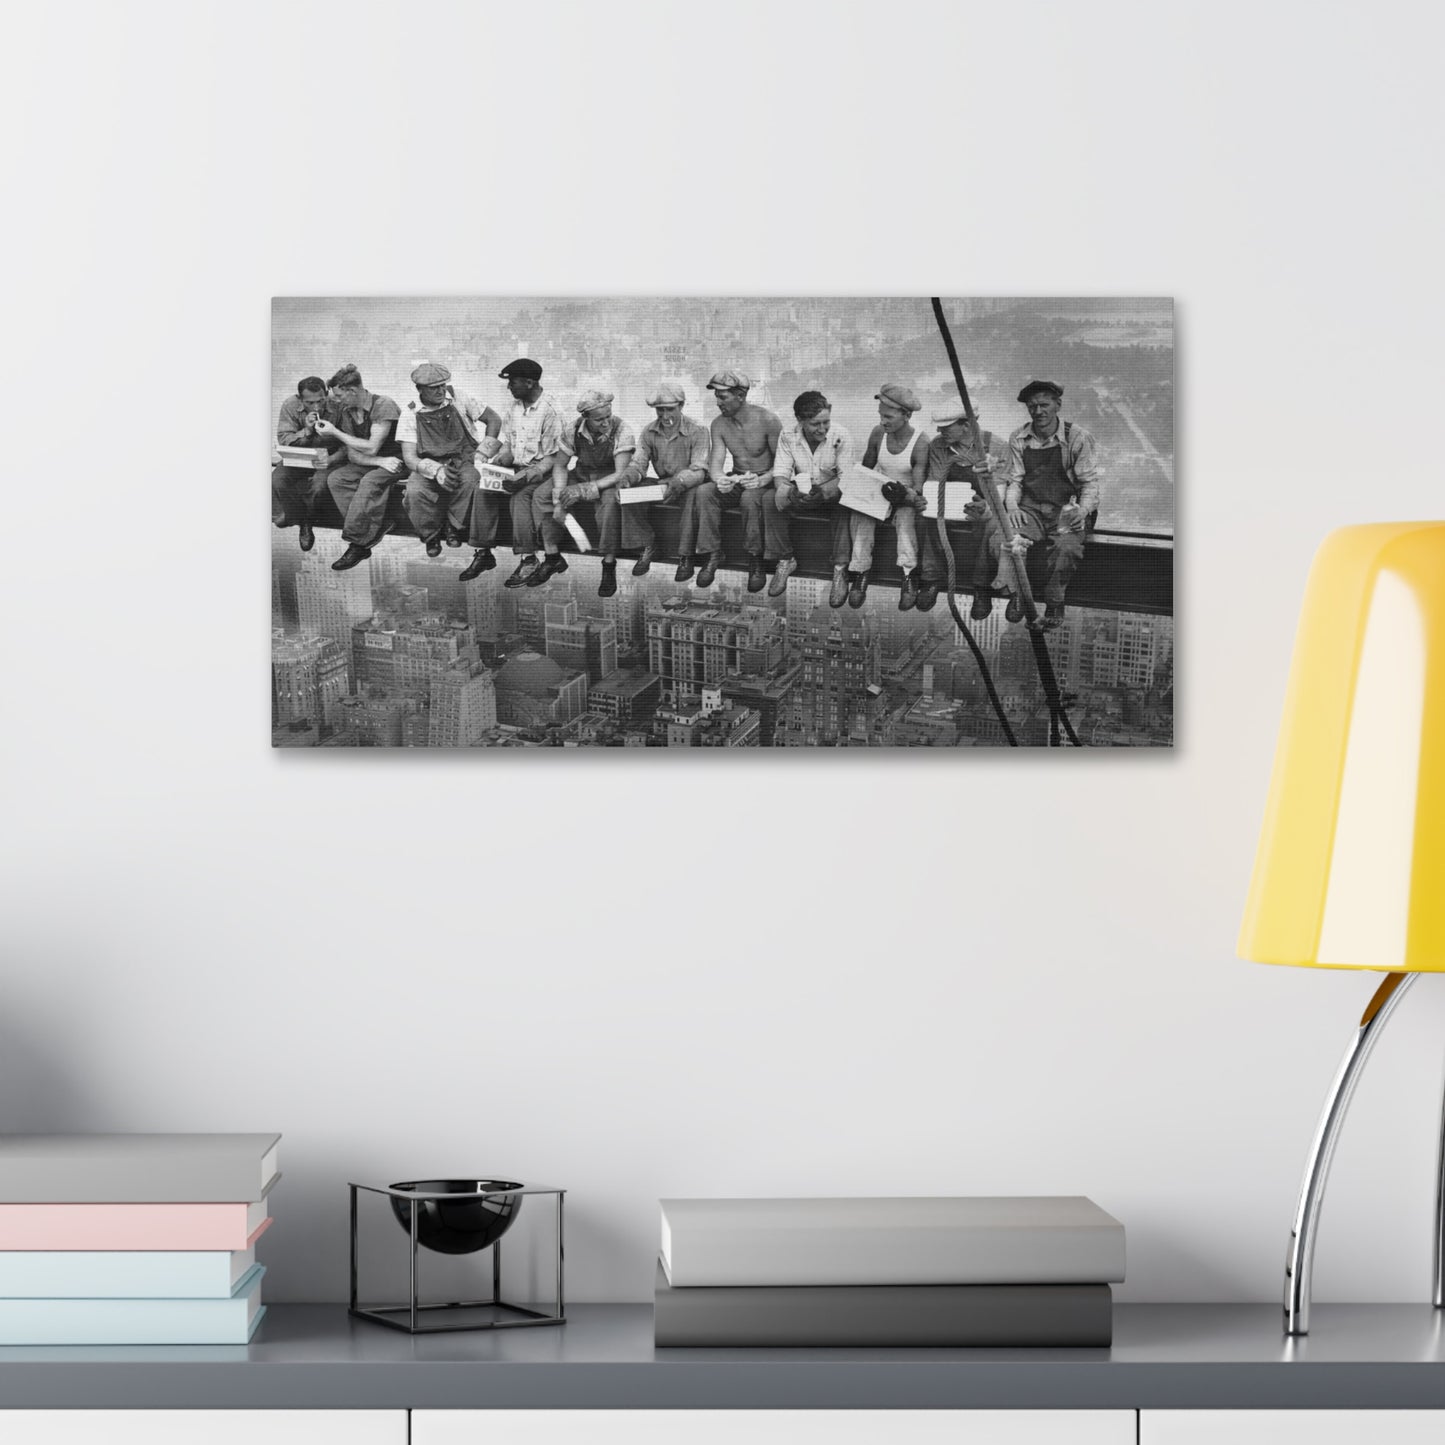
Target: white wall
{"points": [[637, 978]]}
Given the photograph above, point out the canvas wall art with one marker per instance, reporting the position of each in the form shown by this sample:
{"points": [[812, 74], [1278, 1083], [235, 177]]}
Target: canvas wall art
{"points": [[698, 522]]}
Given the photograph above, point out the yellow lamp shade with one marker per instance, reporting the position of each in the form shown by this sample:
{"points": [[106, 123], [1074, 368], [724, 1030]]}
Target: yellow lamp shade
{"points": [[1350, 871]]}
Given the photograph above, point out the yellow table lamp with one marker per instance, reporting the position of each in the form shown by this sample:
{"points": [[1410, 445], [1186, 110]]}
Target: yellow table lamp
{"points": [[1350, 871]]}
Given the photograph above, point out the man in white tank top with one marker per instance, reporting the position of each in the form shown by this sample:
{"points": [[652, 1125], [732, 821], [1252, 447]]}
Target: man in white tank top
{"points": [[900, 451]]}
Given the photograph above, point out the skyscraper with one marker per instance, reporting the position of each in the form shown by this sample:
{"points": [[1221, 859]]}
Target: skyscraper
{"points": [[404, 654], [308, 678], [837, 695], [463, 705], [580, 644], [331, 603], [803, 595], [690, 644]]}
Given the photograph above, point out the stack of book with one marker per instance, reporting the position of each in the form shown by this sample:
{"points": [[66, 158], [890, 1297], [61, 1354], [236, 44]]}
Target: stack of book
{"points": [[887, 1272], [132, 1239]]}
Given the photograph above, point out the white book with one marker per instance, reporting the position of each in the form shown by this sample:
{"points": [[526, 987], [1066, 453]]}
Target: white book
{"points": [[137, 1168], [1001, 1240], [649, 492], [122, 1274], [229, 1321]]}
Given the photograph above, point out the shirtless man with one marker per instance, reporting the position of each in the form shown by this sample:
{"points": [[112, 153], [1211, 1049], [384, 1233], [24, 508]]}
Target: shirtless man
{"points": [[749, 435]]}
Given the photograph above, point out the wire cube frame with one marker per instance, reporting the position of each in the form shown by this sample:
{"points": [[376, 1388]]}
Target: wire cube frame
{"points": [[415, 1318]]}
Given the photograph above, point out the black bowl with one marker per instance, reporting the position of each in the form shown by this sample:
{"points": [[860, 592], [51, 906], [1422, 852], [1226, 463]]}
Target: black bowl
{"points": [[462, 1223]]}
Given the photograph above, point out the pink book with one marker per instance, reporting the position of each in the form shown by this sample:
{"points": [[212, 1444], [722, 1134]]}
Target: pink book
{"points": [[132, 1226]]}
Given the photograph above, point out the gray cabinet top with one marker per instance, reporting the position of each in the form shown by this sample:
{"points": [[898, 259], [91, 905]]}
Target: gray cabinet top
{"points": [[1164, 1357]]}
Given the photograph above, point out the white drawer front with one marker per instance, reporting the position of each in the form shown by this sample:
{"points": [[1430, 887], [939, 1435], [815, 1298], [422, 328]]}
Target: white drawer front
{"points": [[203, 1427], [1292, 1427], [773, 1427]]}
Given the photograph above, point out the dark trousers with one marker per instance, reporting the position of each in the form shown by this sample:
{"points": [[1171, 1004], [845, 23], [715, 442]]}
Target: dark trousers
{"points": [[487, 517], [765, 529], [791, 502], [433, 508], [637, 530], [295, 491], [1065, 551], [361, 493], [606, 519], [700, 527]]}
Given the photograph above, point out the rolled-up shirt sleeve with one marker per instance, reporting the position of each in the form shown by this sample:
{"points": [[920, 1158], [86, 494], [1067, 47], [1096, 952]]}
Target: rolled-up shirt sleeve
{"points": [[785, 463], [549, 441], [633, 473], [701, 447], [1015, 462], [291, 423], [406, 426], [1087, 471]]}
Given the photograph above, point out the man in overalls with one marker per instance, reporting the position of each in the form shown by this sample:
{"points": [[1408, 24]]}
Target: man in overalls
{"points": [[440, 435], [1052, 497], [602, 445], [361, 486]]}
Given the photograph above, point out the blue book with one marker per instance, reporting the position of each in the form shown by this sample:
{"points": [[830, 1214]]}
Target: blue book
{"points": [[123, 1273], [230, 1321]]}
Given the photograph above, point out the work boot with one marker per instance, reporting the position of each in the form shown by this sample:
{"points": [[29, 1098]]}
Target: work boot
{"points": [[308, 537], [757, 574], [1053, 616], [858, 589], [353, 556], [927, 596], [785, 569], [709, 569], [482, 561], [982, 608], [455, 539], [608, 586], [684, 569], [552, 564], [1014, 612], [525, 568], [838, 595], [643, 565], [434, 547], [908, 592]]}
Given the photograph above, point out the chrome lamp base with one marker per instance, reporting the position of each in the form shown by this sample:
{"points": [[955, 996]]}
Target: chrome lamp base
{"points": [[1299, 1266]]}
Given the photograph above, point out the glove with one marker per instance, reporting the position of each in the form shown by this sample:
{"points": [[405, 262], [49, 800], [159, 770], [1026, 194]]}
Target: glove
{"points": [[895, 492], [587, 491], [514, 484], [675, 492]]}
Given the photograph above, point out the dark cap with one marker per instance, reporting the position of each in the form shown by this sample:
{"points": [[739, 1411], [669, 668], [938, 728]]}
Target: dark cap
{"points": [[1035, 387], [523, 367]]}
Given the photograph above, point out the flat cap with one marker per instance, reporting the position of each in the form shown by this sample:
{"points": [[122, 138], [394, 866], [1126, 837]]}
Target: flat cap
{"points": [[947, 414], [1035, 387], [729, 381], [899, 395], [667, 393], [428, 373], [523, 367], [591, 400]]}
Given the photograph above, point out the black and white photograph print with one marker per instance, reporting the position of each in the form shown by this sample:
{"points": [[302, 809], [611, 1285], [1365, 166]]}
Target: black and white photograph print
{"points": [[722, 522]]}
